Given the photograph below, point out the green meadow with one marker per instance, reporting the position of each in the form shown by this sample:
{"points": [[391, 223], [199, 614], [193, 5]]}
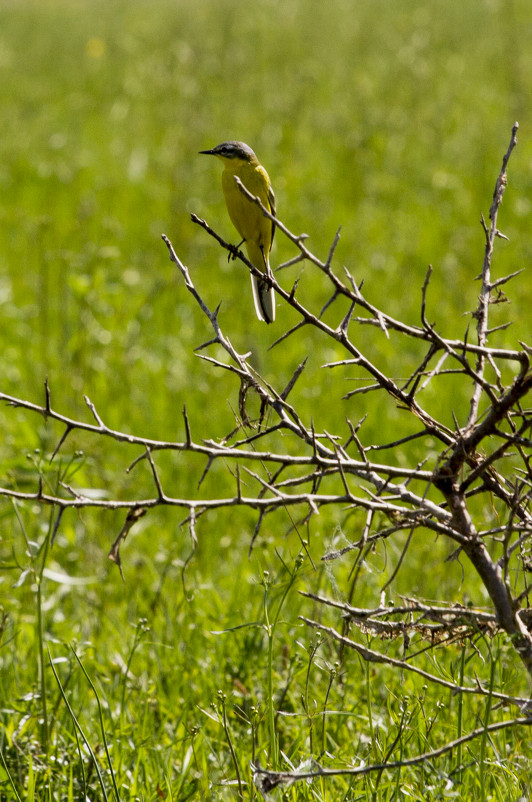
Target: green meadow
{"points": [[386, 119]]}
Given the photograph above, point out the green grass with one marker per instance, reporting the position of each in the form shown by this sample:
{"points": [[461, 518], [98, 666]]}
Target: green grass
{"points": [[388, 119]]}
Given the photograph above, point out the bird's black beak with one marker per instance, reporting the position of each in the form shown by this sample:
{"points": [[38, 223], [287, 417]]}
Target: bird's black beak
{"points": [[208, 152]]}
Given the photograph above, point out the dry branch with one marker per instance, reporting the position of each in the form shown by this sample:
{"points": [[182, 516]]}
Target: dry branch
{"points": [[486, 456]]}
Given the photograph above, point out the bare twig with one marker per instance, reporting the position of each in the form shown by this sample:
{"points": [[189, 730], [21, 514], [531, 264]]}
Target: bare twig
{"points": [[274, 779], [292, 459]]}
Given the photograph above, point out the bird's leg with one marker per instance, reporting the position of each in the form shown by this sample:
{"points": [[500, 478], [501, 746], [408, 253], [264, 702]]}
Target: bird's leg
{"points": [[233, 250], [269, 273]]}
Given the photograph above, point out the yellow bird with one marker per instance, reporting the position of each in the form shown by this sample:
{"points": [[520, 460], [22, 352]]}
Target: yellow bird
{"points": [[255, 229]]}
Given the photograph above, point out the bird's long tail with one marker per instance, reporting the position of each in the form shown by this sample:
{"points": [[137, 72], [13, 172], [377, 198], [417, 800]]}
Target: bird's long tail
{"points": [[263, 294]]}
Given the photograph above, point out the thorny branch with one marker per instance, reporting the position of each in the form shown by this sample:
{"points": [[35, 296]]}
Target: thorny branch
{"points": [[487, 455], [268, 780]]}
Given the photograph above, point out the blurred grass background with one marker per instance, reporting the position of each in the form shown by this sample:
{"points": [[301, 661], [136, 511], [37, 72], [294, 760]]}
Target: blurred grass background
{"points": [[387, 119]]}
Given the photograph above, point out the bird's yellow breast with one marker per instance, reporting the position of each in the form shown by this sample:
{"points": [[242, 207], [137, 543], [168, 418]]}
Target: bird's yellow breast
{"points": [[247, 218]]}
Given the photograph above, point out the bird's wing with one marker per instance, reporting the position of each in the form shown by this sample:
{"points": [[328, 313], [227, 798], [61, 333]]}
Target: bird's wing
{"points": [[271, 201]]}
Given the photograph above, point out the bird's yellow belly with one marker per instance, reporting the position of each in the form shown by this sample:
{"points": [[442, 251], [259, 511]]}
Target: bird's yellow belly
{"points": [[246, 217]]}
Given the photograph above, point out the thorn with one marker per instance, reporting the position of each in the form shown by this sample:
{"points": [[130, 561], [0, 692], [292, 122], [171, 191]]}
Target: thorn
{"points": [[48, 398], [297, 373], [188, 440], [501, 235]]}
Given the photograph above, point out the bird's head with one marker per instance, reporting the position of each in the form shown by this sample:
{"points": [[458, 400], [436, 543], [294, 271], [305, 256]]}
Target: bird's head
{"points": [[232, 152]]}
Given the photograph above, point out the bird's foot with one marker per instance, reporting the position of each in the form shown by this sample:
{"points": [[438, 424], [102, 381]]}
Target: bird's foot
{"points": [[233, 251]]}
